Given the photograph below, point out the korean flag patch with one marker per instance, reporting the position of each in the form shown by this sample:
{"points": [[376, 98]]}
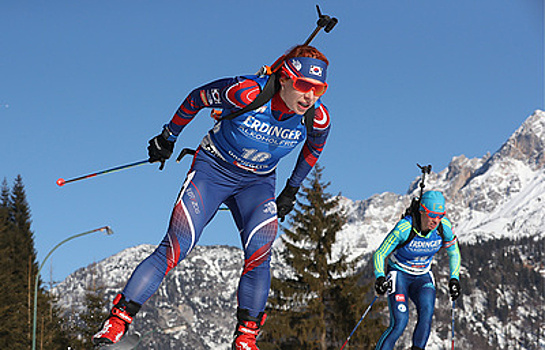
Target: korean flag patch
{"points": [[315, 70]]}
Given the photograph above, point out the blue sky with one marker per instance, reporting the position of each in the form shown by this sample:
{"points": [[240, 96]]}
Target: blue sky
{"points": [[85, 84]]}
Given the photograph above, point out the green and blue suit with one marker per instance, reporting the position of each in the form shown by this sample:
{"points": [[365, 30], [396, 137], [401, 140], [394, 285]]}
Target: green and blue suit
{"points": [[409, 270]]}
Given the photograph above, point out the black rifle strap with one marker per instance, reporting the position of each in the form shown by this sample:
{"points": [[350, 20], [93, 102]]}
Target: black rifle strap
{"points": [[414, 232], [309, 118], [271, 87]]}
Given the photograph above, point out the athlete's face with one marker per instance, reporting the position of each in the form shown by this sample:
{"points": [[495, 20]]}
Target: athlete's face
{"points": [[429, 223], [297, 101]]}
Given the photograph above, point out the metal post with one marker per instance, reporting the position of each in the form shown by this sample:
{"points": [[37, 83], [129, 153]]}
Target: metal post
{"points": [[108, 231]]}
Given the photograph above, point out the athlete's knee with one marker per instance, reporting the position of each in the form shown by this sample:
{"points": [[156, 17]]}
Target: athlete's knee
{"points": [[165, 257], [257, 240], [181, 235], [426, 312], [398, 328], [180, 221], [426, 308], [172, 250], [263, 233], [400, 318], [258, 262]]}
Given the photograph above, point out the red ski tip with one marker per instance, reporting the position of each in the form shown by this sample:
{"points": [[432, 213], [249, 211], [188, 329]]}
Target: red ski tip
{"points": [[60, 182]]}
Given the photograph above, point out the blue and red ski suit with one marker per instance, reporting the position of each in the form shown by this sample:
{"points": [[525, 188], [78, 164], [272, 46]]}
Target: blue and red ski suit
{"points": [[234, 165], [409, 270]]}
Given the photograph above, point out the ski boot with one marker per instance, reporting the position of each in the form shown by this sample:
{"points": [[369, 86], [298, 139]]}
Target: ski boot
{"points": [[247, 330], [117, 323], [416, 348]]}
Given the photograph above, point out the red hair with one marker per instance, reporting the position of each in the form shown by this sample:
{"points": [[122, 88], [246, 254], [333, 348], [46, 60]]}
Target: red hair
{"points": [[306, 51]]}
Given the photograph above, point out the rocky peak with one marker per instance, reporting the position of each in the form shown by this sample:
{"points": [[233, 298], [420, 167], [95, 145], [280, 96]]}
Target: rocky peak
{"points": [[528, 142]]}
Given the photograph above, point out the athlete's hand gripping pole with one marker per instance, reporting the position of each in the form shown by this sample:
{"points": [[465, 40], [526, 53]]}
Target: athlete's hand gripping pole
{"points": [[382, 285], [62, 182], [161, 147]]}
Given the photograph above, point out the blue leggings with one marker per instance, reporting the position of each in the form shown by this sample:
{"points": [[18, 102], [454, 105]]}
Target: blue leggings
{"points": [[251, 200], [421, 290]]}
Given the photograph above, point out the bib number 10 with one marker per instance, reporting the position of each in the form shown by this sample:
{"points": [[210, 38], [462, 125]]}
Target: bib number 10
{"points": [[254, 155]]}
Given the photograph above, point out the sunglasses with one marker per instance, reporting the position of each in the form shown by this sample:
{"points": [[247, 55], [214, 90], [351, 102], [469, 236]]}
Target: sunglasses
{"points": [[305, 85], [432, 214]]}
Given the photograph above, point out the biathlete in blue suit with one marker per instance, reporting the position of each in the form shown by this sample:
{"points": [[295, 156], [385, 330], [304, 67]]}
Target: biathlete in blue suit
{"points": [[235, 165], [408, 273]]}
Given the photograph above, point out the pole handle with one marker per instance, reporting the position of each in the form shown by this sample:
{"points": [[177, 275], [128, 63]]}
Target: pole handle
{"points": [[185, 152]]}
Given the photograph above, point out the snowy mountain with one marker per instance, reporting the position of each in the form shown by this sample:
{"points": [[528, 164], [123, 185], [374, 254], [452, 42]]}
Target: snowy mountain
{"points": [[194, 305], [495, 203], [490, 197]]}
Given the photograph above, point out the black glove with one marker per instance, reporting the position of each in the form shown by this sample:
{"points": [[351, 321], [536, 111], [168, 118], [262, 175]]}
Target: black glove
{"points": [[160, 149], [381, 285], [285, 201], [454, 288]]}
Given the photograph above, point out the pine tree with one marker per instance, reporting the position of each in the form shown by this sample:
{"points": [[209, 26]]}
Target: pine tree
{"points": [[319, 304], [18, 269], [8, 289], [20, 213], [15, 321], [4, 195]]}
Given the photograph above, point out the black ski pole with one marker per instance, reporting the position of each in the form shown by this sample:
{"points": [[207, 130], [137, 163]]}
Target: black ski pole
{"points": [[453, 306], [61, 182], [361, 319]]}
